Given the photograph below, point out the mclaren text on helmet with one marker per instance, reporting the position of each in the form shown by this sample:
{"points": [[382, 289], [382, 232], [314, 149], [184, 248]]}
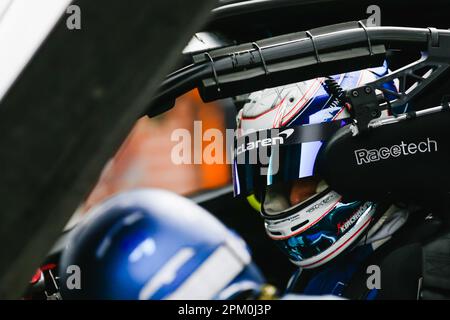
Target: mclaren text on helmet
{"points": [[212, 146]]}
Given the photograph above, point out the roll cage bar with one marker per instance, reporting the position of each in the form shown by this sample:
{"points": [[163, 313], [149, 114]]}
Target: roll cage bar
{"points": [[351, 46]]}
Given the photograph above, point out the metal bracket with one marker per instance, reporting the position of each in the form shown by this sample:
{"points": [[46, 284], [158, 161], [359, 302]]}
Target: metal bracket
{"points": [[421, 73], [363, 106]]}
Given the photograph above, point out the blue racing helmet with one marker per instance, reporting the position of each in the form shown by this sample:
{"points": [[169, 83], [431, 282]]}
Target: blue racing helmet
{"points": [[154, 244], [280, 132]]}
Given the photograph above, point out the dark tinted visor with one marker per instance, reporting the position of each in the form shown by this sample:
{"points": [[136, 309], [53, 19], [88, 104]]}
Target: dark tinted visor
{"points": [[272, 156]]}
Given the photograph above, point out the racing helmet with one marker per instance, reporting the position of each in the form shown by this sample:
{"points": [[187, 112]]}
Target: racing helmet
{"points": [[154, 244], [279, 134]]}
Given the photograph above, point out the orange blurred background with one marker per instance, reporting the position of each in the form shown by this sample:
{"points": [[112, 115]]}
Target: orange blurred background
{"points": [[144, 159]]}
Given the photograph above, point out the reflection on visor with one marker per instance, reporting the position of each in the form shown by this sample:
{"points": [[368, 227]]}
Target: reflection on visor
{"points": [[271, 156]]}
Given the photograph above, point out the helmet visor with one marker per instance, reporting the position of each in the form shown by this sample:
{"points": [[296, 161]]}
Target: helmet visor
{"points": [[275, 156]]}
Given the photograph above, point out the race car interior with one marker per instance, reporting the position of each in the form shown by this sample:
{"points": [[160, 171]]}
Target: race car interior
{"points": [[226, 61]]}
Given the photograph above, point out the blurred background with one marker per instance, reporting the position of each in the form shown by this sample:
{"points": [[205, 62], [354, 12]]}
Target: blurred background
{"points": [[144, 159]]}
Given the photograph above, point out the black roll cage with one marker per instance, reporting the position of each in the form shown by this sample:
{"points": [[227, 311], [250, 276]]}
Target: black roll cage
{"points": [[234, 70]]}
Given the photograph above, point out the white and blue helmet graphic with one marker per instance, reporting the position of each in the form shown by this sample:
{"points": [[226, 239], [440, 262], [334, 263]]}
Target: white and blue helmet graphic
{"points": [[280, 132], [154, 244]]}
